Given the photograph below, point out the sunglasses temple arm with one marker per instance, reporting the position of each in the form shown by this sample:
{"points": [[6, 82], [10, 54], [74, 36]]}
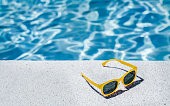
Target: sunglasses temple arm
{"points": [[90, 81], [122, 62]]}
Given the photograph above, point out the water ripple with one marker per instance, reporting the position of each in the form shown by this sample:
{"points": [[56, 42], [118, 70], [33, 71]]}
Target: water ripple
{"points": [[84, 29]]}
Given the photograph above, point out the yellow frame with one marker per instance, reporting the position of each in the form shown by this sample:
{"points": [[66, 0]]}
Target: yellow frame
{"points": [[100, 86]]}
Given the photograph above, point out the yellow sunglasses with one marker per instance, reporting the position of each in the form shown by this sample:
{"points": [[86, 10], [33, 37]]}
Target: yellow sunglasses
{"points": [[111, 86]]}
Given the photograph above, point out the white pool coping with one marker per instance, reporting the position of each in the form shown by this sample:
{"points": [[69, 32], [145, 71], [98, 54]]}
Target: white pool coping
{"points": [[58, 83]]}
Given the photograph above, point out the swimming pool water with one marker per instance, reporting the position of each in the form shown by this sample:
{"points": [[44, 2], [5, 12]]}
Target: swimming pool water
{"points": [[84, 29]]}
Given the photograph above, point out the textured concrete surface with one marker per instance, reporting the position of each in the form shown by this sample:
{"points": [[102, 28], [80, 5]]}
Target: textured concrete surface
{"points": [[52, 83]]}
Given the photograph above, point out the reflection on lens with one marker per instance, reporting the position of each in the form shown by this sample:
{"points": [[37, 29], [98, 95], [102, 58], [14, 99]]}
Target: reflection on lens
{"points": [[129, 77], [110, 87]]}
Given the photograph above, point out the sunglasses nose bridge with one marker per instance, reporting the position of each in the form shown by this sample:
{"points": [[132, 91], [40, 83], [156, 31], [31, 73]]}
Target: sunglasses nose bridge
{"points": [[121, 79]]}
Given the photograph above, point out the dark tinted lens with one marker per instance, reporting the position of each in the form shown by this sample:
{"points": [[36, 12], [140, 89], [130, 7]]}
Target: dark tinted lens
{"points": [[110, 87], [129, 77]]}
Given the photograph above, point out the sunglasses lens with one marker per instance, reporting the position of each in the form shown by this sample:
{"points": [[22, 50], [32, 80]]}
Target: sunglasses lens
{"points": [[129, 77], [110, 87]]}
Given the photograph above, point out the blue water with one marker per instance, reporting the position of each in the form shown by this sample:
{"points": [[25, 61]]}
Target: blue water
{"points": [[84, 29]]}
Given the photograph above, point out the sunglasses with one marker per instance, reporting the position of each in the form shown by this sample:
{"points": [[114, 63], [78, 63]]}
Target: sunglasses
{"points": [[111, 86]]}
